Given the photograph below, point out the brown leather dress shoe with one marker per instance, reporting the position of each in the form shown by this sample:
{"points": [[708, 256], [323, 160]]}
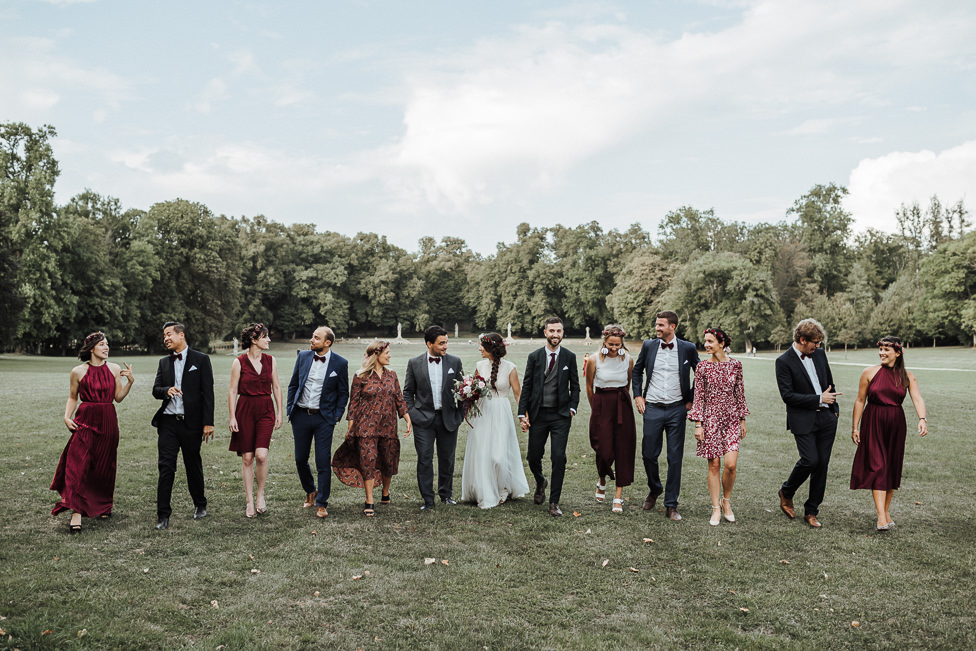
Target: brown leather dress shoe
{"points": [[650, 501], [320, 512], [554, 510], [310, 500], [786, 504], [540, 491], [671, 513], [812, 521]]}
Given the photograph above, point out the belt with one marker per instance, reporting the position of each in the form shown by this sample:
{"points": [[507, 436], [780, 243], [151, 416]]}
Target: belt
{"points": [[176, 416], [310, 412], [662, 405], [602, 389]]}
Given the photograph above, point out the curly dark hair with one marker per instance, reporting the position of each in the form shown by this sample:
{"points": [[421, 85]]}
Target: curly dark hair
{"points": [[723, 339], [251, 333], [90, 342], [495, 346]]}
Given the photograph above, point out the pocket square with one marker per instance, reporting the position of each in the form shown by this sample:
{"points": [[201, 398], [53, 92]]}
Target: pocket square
{"points": [[450, 371], [192, 368], [333, 374], [686, 361], [565, 368]]}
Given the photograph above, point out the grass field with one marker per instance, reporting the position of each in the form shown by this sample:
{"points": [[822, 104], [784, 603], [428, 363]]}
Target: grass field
{"points": [[509, 577]]}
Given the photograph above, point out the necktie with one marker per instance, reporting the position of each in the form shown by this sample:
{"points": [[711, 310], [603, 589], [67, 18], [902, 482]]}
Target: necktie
{"points": [[668, 346], [319, 359], [176, 356], [434, 360], [552, 362]]}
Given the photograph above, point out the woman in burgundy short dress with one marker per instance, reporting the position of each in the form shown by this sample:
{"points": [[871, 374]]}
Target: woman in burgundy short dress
{"points": [[720, 413], [85, 476], [371, 451], [253, 381], [881, 438]]}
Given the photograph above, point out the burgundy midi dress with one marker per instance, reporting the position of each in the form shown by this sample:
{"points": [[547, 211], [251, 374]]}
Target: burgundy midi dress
{"points": [[879, 457], [255, 409]]}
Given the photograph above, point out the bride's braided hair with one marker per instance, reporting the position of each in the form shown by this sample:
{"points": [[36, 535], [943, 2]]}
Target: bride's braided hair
{"points": [[495, 346]]}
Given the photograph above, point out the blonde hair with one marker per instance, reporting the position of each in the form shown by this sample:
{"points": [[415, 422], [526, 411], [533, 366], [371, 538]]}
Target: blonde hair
{"points": [[371, 360]]}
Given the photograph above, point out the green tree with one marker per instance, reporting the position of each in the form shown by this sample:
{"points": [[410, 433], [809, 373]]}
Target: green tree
{"points": [[823, 227], [949, 275], [636, 298], [443, 270]]}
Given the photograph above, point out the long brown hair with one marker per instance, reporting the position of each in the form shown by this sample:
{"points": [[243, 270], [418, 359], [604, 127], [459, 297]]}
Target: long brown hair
{"points": [[894, 343], [90, 342], [494, 345]]}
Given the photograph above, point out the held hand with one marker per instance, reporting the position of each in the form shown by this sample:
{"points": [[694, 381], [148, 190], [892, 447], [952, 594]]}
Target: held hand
{"points": [[524, 423], [639, 401], [72, 426], [233, 425], [829, 397], [208, 432], [173, 392]]}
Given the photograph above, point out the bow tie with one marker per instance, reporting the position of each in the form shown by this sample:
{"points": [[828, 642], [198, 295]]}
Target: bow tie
{"points": [[176, 356], [434, 360], [668, 346], [316, 358], [805, 356]]}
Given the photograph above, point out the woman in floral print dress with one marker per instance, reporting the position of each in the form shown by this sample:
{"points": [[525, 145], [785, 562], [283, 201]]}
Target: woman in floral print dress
{"points": [[719, 412]]}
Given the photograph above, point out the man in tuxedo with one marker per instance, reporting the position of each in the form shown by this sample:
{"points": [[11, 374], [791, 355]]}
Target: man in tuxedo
{"points": [[429, 392], [550, 396], [184, 382], [664, 400], [317, 397], [807, 387]]}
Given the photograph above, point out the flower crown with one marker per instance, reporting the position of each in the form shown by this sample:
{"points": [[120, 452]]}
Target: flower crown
{"points": [[256, 330], [94, 337], [379, 350], [895, 346], [484, 338], [614, 331], [719, 334]]}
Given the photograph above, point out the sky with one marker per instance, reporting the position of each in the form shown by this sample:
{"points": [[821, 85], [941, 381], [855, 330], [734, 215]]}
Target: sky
{"points": [[464, 119]]}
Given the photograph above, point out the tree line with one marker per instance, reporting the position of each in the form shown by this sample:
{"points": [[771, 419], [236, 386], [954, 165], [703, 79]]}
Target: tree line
{"points": [[89, 264]]}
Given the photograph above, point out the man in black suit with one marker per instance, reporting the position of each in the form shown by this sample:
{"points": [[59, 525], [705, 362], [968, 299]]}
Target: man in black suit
{"points": [[429, 392], [184, 382], [807, 387], [664, 400], [317, 397], [550, 396]]}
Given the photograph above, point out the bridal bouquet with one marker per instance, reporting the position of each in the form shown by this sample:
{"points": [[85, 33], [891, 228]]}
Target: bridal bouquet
{"points": [[468, 391]]}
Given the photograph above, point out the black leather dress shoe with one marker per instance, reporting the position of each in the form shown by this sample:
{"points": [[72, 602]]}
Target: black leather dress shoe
{"points": [[199, 512], [427, 507], [163, 523], [448, 500]]}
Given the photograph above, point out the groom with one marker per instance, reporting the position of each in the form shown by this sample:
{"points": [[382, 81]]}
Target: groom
{"points": [[550, 396], [429, 392]]}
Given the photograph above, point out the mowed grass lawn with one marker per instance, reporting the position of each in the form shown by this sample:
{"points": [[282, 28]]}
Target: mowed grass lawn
{"points": [[509, 577]]}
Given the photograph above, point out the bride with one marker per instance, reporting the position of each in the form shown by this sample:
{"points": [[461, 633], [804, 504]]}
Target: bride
{"points": [[493, 469]]}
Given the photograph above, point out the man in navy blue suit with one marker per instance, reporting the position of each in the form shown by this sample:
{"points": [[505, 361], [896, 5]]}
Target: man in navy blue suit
{"points": [[317, 397], [664, 400]]}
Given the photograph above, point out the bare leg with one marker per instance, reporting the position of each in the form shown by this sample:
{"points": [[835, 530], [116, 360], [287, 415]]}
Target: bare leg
{"points": [[619, 493], [247, 471], [879, 504], [714, 481], [369, 496], [261, 473], [887, 506], [386, 485], [728, 481]]}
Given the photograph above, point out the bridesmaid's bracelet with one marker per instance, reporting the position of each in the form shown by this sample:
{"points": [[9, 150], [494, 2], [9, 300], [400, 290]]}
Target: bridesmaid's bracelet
{"points": [[923, 418]]}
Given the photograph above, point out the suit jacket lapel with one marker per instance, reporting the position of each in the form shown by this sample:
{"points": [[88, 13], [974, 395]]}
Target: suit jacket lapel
{"points": [[444, 376], [424, 375], [801, 370]]}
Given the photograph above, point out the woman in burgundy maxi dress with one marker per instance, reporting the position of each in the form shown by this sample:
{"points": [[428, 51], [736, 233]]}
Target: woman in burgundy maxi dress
{"points": [[881, 438], [85, 476]]}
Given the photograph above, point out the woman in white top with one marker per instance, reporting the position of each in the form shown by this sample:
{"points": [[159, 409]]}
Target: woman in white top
{"points": [[493, 469], [613, 433]]}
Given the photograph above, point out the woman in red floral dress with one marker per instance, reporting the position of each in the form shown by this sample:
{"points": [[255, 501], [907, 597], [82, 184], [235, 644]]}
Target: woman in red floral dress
{"points": [[371, 450], [719, 412]]}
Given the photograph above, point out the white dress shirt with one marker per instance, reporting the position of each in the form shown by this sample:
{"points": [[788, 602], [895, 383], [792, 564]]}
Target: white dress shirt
{"points": [[665, 381], [311, 396], [175, 405], [811, 370], [435, 373]]}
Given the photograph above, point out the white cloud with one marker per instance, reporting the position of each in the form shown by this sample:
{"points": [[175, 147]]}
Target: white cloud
{"points": [[879, 186]]}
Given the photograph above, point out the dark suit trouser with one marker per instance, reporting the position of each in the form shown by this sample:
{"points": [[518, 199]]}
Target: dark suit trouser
{"points": [[548, 423], [658, 422], [814, 449], [425, 439], [172, 436], [307, 428]]}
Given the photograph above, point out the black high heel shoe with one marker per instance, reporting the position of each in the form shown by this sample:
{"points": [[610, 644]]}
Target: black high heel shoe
{"points": [[368, 510]]}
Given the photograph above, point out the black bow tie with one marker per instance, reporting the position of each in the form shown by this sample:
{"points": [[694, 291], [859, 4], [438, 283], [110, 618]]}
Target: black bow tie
{"points": [[175, 356], [668, 346], [434, 360], [319, 359]]}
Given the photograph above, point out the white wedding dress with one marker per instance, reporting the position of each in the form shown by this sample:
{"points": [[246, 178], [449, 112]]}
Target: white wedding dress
{"points": [[493, 469]]}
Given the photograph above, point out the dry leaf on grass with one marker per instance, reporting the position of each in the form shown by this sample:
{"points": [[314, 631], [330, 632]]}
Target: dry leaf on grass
{"points": [[47, 632], [255, 571], [444, 562], [648, 540], [587, 531], [314, 531], [357, 577], [366, 573], [606, 561], [576, 514], [250, 556], [634, 570], [83, 632], [785, 562], [430, 561], [215, 604], [315, 594], [745, 610], [855, 623]]}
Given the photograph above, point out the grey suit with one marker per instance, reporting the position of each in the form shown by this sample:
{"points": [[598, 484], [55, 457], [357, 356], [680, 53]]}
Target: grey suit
{"points": [[433, 428]]}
